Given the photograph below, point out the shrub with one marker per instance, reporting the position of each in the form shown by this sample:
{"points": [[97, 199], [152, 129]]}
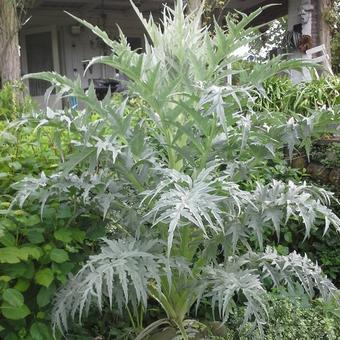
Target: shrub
{"points": [[289, 319], [35, 255], [14, 101], [284, 96]]}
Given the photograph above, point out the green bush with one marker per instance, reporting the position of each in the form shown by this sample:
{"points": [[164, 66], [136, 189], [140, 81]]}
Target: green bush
{"points": [[290, 319], [36, 254], [283, 96], [14, 101]]}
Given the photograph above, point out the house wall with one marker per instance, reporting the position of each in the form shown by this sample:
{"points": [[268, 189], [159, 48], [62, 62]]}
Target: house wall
{"points": [[74, 49]]}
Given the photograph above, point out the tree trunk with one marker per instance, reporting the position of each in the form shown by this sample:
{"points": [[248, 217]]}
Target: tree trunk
{"points": [[9, 42]]}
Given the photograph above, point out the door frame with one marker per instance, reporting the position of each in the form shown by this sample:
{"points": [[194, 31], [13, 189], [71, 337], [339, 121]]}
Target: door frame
{"points": [[55, 47]]}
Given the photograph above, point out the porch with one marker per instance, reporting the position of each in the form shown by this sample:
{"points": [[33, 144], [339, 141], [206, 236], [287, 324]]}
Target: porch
{"points": [[52, 40]]}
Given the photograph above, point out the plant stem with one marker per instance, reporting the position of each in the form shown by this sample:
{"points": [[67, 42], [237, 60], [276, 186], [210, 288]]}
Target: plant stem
{"points": [[131, 317], [182, 330], [207, 148]]}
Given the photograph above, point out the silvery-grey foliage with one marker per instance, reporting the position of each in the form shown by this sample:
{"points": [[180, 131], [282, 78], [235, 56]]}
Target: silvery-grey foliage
{"points": [[120, 273], [222, 283], [184, 200], [181, 200], [247, 273], [295, 268], [177, 175]]}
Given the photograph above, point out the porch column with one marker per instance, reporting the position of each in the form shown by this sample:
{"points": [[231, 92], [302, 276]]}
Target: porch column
{"points": [[320, 29]]}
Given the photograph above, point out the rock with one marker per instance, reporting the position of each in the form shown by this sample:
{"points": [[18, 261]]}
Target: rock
{"points": [[218, 329], [318, 171], [334, 176]]}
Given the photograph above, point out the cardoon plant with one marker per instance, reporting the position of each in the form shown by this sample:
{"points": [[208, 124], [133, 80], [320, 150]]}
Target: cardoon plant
{"points": [[171, 186]]}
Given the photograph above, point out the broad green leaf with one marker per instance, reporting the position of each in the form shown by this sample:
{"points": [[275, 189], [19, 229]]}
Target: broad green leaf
{"points": [[65, 267], [59, 255], [14, 313], [44, 277], [19, 270], [35, 236], [5, 278], [78, 235], [8, 224], [33, 251], [13, 297], [45, 295], [64, 213], [288, 236], [63, 235], [10, 255], [40, 331], [32, 220], [41, 315], [22, 285], [282, 250], [7, 239]]}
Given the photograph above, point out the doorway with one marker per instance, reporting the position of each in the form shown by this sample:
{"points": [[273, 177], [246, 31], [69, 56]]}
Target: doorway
{"points": [[40, 53]]}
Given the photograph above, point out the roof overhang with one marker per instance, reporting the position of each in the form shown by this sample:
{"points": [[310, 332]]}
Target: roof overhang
{"points": [[108, 5], [246, 6]]}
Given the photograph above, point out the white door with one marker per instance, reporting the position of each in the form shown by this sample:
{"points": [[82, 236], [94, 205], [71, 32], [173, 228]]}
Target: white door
{"points": [[40, 53]]}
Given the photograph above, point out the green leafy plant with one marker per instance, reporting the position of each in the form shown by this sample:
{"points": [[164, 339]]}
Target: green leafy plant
{"points": [[11, 105], [283, 96], [35, 255], [172, 188], [288, 319]]}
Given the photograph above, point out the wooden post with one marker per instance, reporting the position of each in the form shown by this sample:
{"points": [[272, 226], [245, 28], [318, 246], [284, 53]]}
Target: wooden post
{"points": [[9, 42]]}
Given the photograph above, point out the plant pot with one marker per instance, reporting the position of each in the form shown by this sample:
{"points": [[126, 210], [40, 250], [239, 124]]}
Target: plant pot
{"points": [[299, 162]]}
